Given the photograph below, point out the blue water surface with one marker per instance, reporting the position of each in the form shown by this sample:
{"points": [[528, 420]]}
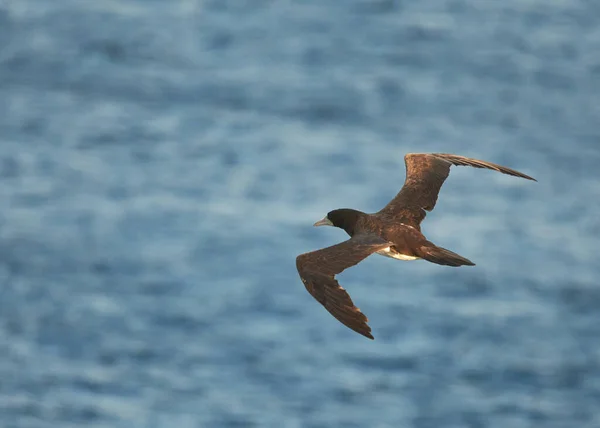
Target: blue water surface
{"points": [[161, 165]]}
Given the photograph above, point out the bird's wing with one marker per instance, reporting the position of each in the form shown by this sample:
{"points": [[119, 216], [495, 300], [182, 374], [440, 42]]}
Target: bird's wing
{"points": [[425, 174], [318, 268]]}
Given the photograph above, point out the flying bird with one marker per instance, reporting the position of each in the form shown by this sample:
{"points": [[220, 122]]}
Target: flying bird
{"points": [[394, 231]]}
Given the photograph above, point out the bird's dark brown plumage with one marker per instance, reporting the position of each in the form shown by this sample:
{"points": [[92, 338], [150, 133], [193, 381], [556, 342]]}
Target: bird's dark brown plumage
{"points": [[394, 231], [318, 269], [425, 174]]}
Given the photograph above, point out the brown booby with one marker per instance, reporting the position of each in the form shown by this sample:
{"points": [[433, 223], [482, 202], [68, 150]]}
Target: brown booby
{"points": [[394, 231]]}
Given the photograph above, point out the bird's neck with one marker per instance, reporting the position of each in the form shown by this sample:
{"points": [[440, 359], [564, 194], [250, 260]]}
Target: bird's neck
{"points": [[351, 222]]}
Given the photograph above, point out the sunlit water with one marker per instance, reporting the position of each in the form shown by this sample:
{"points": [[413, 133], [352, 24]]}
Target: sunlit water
{"points": [[161, 165]]}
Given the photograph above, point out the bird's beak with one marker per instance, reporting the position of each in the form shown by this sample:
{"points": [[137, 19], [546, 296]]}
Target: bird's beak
{"points": [[324, 222]]}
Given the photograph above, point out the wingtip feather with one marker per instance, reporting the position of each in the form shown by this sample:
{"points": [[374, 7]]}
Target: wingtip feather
{"points": [[459, 160]]}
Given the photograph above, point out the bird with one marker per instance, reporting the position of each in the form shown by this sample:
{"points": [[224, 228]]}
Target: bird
{"points": [[394, 231]]}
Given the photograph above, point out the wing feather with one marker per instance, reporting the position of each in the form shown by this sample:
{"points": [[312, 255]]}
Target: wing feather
{"points": [[425, 174], [317, 269]]}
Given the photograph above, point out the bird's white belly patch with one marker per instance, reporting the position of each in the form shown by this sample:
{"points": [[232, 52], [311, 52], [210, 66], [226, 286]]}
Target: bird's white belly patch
{"points": [[395, 255]]}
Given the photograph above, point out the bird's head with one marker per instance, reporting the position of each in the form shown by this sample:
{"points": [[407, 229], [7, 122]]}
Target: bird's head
{"points": [[343, 218]]}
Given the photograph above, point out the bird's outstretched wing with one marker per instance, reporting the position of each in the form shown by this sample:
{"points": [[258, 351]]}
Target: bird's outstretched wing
{"points": [[318, 268], [425, 174]]}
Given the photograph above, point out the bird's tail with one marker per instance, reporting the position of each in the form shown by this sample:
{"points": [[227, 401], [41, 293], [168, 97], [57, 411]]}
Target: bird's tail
{"points": [[441, 256]]}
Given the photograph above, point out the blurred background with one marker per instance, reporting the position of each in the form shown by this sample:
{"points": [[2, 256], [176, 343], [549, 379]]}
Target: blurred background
{"points": [[162, 163]]}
